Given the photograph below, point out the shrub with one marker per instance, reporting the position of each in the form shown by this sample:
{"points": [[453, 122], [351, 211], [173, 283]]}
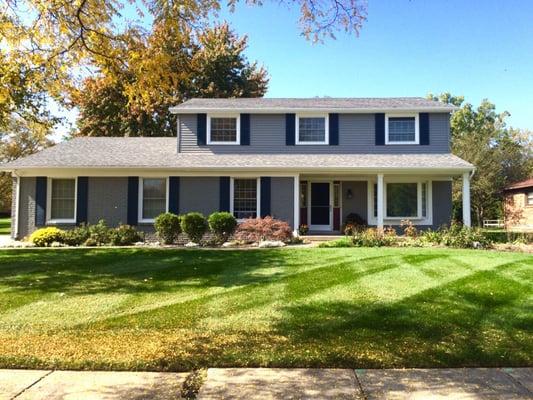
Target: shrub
{"points": [[258, 229], [98, 234], [44, 237], [373, 237], [457, 236], [194, 225], [222, 224], [303, 229], [342, 242], [509, 237], [354, 223], [168, 227], [124, 235], [409, 229], [76, 236]]}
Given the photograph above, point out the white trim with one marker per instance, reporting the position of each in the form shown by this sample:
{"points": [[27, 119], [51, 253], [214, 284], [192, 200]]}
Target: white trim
{"points": [[403, 115], [140, 218], [49, 220], [380, 201], [317, 115], [232, 195], [387, 220], [178, 134], [17, 205], [466, 200], [296, 205], [280, 110], [237, 127]]}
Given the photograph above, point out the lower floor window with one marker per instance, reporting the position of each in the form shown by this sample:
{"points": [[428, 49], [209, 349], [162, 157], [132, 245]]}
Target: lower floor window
{"points": [[402, 199], [62, 199], [154, 197], [245, 198]]}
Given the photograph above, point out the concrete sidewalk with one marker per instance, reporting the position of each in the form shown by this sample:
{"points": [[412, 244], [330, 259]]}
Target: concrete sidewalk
{"points": [[273, 383]]}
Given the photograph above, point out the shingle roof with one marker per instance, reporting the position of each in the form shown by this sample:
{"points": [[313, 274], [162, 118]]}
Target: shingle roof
{"points": [[350, 104], [521, 185], [161, 153]]}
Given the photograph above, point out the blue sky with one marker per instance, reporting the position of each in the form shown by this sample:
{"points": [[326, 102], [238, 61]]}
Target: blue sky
{"points": [[476, 48]]}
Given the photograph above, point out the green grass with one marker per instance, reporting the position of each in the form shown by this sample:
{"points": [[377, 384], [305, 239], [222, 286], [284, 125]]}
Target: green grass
{"points": [[5, 226], [182, 309]]}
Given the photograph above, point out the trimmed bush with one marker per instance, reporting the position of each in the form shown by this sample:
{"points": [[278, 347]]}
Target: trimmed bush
{"points": [[44, 237], [258, 229], [194, 225], [222, 224], [168, 227], [99, 234], [76, 236], [124, 235]]}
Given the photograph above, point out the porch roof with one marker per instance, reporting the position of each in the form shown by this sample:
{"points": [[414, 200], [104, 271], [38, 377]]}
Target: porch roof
{"points": [[160, 153]]}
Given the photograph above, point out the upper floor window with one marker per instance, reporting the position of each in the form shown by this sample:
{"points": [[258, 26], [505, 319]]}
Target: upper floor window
{"points": [[401, 129], [223, 129], [61, 200], [152, 199], [312, 129]]}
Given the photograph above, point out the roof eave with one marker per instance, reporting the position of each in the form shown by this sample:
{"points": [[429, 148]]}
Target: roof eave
{"points": [[278, 110]]}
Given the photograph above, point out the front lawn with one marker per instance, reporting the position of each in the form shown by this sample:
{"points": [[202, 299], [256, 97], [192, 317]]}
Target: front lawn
{"points": [[181, 309], [5, 226]]}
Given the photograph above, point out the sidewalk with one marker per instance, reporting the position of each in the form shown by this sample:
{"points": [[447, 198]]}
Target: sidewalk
{"points": [[266, 383]]}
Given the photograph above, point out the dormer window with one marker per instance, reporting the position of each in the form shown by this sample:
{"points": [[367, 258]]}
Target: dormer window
{"points": [[223, 129], [312, 129], [401, 129]]}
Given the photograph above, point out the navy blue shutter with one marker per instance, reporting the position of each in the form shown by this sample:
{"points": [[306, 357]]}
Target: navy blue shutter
{"points": [[133, 200], [201, 129], [333, 129], [266, 183], [82, 199], [245, 129], [40, 200], [174, 194], [380, 129], [290, 129], [423, 121], [224, 193]]}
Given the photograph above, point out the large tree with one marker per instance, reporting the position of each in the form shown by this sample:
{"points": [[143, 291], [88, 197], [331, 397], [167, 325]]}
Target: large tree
{"points": [[160, 70], [501, 155]]}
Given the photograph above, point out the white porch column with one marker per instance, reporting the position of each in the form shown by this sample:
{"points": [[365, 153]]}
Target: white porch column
{"points": [[296, 205], [380, 201], [466, 199]]}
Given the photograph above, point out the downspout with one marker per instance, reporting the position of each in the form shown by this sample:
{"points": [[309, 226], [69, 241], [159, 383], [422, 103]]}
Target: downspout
{"points": [[17, 206]]}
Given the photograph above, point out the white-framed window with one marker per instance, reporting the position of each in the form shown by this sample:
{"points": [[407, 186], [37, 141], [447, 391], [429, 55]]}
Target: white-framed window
{"points": [[402, 129], [223, 129], [312, 129], [245, 197], [153, 198], [61, 200], [403, 199], [529, 199]]}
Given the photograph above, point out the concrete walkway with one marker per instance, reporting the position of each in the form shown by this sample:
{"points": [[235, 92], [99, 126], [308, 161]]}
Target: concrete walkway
{"points": [[273, 383]]}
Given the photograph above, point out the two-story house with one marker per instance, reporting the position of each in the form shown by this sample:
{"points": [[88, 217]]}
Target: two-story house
{"points": [[312, 161]]}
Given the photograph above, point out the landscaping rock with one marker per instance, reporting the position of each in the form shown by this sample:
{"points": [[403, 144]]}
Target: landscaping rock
{"points": [[270, 244], [191, 244]]}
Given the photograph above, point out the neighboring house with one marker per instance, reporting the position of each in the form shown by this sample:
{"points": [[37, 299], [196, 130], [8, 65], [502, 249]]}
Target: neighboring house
{"points": [[312, 161], [518, 202]]}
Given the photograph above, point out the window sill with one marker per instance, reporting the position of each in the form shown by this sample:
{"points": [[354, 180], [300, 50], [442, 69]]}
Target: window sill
{"points": [[61, 222], [223, 143], [400, 143], [312, 143]]}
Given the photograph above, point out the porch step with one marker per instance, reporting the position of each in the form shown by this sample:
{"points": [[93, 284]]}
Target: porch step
{"points": [[321, 238]]}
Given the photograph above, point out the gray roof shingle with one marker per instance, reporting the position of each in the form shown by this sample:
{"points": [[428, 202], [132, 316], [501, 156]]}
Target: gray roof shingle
{"points": [[160, 153], [349, 104]]}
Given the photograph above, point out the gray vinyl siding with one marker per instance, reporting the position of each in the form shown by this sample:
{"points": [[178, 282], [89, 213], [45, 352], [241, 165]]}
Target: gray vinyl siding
{"points": [[107, 200], [282, 199], [442, 203], [356, 136], [358, 203], [200, 194]]}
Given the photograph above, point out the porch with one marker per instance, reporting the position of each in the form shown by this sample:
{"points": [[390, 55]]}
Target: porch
{"points": [[326, 202]]}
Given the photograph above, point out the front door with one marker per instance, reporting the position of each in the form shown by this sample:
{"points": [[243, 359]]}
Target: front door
{"points": [[320, 209]]}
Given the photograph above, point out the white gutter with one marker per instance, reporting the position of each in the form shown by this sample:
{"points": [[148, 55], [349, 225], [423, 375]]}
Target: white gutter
{"points": [[278, 110]]}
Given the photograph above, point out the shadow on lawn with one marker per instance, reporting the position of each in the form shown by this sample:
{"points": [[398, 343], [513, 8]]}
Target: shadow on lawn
{"points": [[82, 271], [480, 320]]}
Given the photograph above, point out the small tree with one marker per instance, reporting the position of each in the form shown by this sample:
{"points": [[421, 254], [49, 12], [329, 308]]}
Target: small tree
{"points": [[222, 224], [167, 226], [194, 225]]}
